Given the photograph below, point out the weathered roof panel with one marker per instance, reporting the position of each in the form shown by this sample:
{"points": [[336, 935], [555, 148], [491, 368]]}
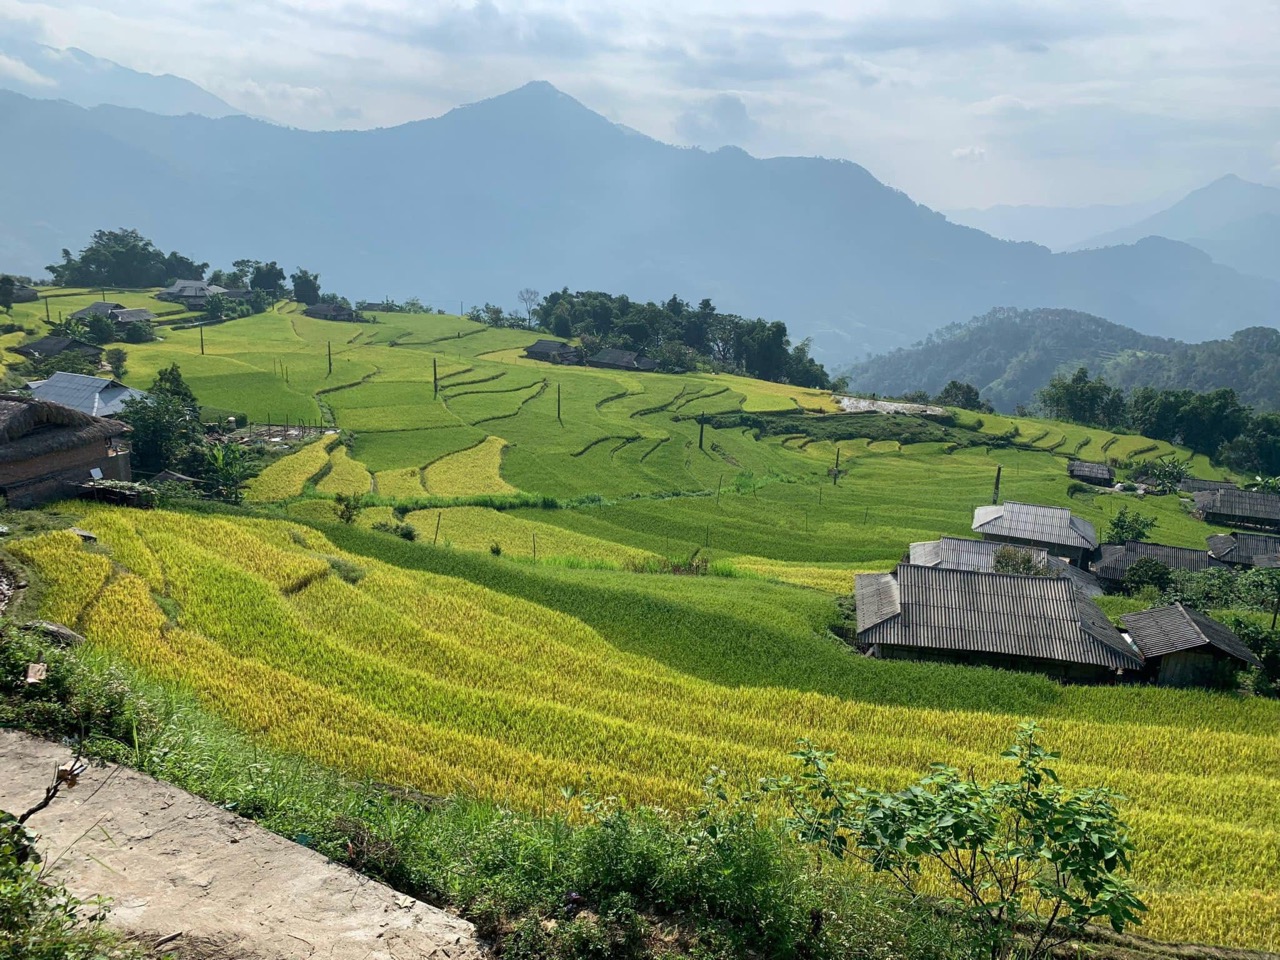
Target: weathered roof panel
{"points": [[1118, 558], [1175, 628], [1054, 526]]}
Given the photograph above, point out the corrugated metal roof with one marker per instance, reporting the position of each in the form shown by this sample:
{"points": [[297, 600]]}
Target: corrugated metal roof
{"points": [[1245, 504], [1036, 523], [876, 598], [136, 315], [98, 307], [53, 346], [958, 553], [1085, 582], [1192, 485], [1088, 470], [96, 396], [1118, 558], [1252, 549], [1171, 629], [1040, 617]]}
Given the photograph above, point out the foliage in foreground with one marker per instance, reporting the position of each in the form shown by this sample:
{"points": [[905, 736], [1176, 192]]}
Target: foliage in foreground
{"points": [[613, 881], [1026, 863]]}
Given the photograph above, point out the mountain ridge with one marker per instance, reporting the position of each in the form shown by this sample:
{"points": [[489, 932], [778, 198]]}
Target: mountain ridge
{"points": [[532, 188]]}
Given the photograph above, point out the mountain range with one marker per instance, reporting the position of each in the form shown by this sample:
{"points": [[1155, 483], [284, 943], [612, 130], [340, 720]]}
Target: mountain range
{"points": [[1009, 354], [532, 188], [37, 70]]}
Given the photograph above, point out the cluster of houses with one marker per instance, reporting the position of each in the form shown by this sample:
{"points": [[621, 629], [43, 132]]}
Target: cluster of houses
{"points": [[557, 351], [946, 602]]}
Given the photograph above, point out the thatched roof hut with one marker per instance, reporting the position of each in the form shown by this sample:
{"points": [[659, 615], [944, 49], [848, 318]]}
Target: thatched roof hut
{"points": [[30, 429]]}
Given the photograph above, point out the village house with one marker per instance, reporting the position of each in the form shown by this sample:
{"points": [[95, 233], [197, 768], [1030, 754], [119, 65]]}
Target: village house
{"points": [[1246, 549], [47, 347], [121, 316], [553, 351], [992, 619], [331, 311], [96, 396], [1055, 529], [1192, 485], [192, 294], [1116, 559], [1240, 508], [48, 450], [958, 553], [1184, 648], [1099, 474], [613, 359], [25, 294]]}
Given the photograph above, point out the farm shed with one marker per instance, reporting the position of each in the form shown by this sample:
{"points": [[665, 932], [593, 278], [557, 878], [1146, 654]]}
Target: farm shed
{"points": [[621, 360], [1087, 471], [1246, 549], [96, 396], [193, 294], [957, 553], [552, 351], [1192, 485], [1240, 508], [47, 347], [48, 450], [1184, 648], [99, 308], [989, 619], [1116, 559], [1056, 529], [331, 311]]}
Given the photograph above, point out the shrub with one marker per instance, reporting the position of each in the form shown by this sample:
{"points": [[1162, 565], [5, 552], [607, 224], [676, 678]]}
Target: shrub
{"points": [[1129, 525], [1022, 562], [1027, 862], [1147, 572], [402, 530]]}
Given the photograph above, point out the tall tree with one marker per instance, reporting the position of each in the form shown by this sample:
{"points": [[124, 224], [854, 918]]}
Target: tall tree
{"points": [[7, 288], [267, 276], [529, 297], [306, 286], [123, 258]]}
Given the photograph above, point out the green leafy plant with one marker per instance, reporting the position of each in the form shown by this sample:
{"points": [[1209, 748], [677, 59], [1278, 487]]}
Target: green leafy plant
{"points": [[1147, 572], [1026, 862], [348, 506], [1129, 525]]}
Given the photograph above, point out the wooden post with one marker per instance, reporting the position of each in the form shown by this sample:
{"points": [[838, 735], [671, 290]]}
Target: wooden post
{"points": [[1275, 610], [558, 420], [701, 427], [535, 547], [436, 538], [435, 379], [202, 341], [46, 312], [707, 541], [329, 347], [995, 494]]}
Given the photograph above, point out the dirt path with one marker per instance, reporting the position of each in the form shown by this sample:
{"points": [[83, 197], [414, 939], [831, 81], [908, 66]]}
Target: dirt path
{"points": [[174, 864]]}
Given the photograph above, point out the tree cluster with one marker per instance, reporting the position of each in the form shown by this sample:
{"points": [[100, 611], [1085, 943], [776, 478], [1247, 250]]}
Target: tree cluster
{"points": [[965, 396], [123, 258], [1215, 424], [167, 435], [220, 307], [680, 335]]}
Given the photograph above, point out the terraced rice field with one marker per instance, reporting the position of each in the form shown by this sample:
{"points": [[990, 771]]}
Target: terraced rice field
{"points": [[442, 684]]}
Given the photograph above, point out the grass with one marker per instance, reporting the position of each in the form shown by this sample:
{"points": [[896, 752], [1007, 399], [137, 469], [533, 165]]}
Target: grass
{"points": [[446, 671]]}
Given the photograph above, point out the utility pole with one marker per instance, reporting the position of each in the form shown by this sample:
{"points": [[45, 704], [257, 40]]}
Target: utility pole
{"points": [[702, 425], [329, 346], [202, 341], [435, 379], [558, 420], [995, 494], [46, 312]]}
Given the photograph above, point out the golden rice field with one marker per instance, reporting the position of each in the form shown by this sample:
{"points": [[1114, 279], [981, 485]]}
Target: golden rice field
{"points": [[476, 470], [478, 528], [287, 476], [345, 475], [438, 683]]}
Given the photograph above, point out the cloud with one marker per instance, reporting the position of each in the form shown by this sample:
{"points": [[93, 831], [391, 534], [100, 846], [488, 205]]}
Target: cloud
{"points": [[720, 121], [969, 154], [15, 69]]}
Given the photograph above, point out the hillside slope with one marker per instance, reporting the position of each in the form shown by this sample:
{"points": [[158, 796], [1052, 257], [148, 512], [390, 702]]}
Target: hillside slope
{"points": [[533, 189], [1010, 354], [1233, 220]]}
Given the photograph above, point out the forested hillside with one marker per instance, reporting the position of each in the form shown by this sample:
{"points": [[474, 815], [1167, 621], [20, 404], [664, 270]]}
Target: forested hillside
{"points": [[1009, 354]]}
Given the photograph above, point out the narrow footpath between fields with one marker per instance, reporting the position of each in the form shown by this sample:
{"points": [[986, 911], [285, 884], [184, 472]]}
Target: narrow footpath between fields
{"points": [[209, 884]]}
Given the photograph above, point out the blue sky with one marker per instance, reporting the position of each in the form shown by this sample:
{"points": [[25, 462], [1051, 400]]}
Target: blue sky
{"points": [[964, 103]]}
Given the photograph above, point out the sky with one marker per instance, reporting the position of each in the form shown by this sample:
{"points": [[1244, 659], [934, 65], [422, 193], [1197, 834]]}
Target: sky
{"points": [[967, 103]]}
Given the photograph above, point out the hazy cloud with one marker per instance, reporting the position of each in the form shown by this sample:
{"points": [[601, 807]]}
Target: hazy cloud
{"points": [[969, 154], [18, 70], [1072, 101], [716, 122]]}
